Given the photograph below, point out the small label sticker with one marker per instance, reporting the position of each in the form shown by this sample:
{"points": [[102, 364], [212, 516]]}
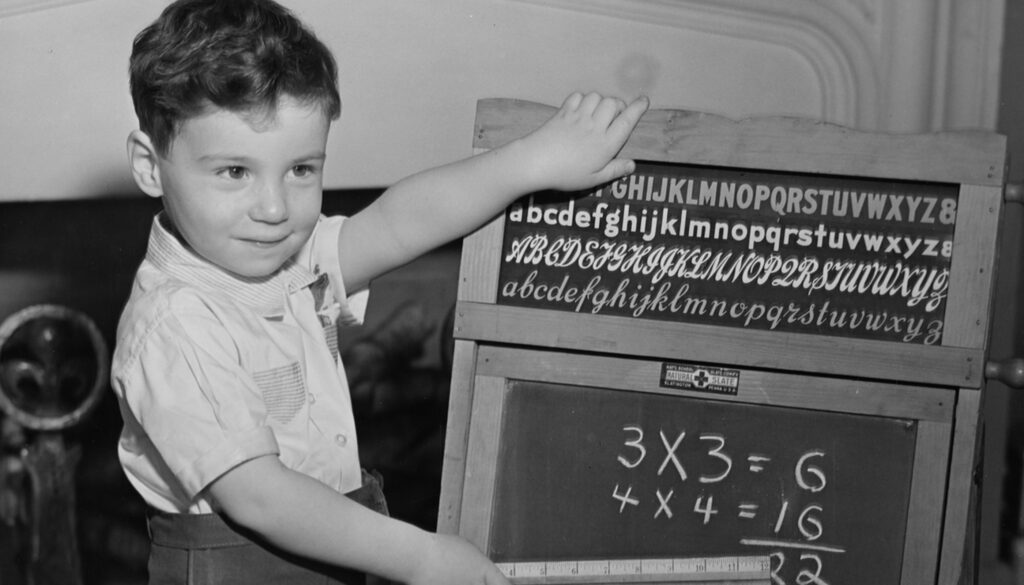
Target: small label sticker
{"points": [[700, 378]]}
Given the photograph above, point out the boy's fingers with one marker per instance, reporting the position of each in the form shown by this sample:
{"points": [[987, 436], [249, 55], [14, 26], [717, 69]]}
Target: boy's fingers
{"points": [[590, 102], [608, 108], [572, 101], [631, 115]]}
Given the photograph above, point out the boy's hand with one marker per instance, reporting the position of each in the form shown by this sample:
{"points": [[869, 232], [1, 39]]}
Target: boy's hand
{"points": [[454, 561], [576, 148]]}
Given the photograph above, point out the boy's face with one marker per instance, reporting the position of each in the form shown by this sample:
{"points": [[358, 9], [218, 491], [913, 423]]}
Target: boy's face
{"points": [[245, 192]]}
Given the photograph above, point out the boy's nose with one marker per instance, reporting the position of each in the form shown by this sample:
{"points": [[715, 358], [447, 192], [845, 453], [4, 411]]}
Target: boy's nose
{"points": [[271, 204]]}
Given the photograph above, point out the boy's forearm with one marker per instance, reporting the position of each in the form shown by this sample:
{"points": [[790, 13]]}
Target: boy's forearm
{"points": [[455, 199], [429, 209], [305, 517], [337, 530]]}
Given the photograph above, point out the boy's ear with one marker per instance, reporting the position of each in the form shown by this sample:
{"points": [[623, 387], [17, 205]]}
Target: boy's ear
{"points": [[143, 159]]}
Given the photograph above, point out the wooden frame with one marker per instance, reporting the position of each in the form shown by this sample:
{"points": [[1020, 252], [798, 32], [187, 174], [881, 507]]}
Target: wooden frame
{"points": [[975, 161], [939, 386], [933, 409]]}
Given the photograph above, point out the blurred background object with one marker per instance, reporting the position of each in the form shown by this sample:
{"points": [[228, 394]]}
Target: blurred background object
{"points": [[53, 371]]}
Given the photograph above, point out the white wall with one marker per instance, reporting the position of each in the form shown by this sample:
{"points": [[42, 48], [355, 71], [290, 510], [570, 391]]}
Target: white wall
{"points": [[411, 72], [63, 98]]}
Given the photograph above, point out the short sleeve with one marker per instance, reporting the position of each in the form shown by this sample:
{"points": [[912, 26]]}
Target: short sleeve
{"points": [[325, 256], [200, 410]]}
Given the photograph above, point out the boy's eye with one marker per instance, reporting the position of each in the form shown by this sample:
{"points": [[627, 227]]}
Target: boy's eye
{"points": [[303, 170], [234, 172]]}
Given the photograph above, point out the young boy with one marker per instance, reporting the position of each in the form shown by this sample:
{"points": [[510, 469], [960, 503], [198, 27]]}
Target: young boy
{"points": [[238, 427]]}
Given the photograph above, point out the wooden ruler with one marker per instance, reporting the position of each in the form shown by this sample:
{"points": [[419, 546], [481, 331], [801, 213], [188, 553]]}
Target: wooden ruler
{"points": [[746, 570]]}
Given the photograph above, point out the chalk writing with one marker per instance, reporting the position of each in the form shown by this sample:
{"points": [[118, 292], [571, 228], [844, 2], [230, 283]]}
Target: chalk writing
{"points": [[591, 473], [740, 249], [808, 473], [783, 199]]}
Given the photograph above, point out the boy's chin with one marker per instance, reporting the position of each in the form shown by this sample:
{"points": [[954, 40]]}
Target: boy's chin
{"points": [[253, 273], [252, 270]]}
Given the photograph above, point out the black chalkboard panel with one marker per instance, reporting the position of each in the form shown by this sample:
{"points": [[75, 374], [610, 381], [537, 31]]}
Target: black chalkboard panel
{"points": [[586, 473]]}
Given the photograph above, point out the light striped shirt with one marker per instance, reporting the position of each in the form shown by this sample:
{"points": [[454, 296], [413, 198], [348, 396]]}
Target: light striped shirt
{"points": [[211, 370]]}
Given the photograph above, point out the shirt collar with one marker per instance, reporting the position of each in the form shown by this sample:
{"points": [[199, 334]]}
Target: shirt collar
{"points": [[265, 295]]}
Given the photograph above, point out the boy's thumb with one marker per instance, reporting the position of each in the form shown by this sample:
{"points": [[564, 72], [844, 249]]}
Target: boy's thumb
{"points": [[616, 168]]}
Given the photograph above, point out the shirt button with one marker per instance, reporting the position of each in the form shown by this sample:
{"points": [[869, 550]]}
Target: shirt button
{"points": [[341, 439], [312, 398]]}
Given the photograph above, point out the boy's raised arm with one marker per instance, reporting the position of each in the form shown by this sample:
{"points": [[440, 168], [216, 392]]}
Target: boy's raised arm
{"points": [[575, 149]]}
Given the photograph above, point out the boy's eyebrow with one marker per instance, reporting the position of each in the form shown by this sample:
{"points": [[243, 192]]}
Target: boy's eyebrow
{"points": [[319, 155], [222, 158], [239, 158]]}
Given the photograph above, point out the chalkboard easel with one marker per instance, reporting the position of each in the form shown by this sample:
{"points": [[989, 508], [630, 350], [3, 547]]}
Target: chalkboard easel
{"points": [[769, 342]]}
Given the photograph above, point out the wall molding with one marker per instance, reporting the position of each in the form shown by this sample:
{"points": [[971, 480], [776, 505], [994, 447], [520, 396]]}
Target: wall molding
{"points": [[969, 78], [833, 50], [911, 66], [12, 7]]}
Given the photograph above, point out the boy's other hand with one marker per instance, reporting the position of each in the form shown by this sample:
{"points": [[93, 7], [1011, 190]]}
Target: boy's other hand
{"points": [[452, 560], [577, 148]]}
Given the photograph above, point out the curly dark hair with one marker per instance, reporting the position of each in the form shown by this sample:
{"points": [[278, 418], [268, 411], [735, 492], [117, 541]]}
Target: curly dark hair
{"points": [[239, 55]]}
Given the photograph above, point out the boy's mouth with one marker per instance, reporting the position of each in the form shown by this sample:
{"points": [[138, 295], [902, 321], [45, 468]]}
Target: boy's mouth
{"points": [[264, 242]]}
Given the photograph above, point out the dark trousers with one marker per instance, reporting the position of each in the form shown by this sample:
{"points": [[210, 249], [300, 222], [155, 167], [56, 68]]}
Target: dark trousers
{"points": [[205, 549]]}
